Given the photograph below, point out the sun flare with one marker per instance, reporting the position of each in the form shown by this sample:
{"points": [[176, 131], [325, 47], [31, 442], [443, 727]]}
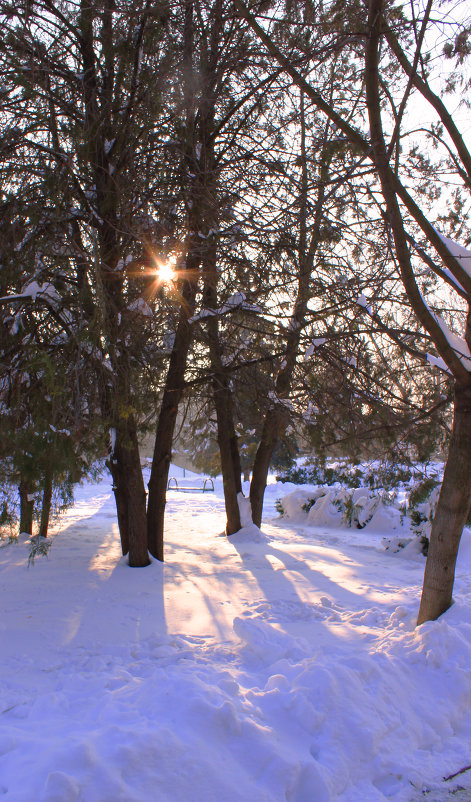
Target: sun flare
{"points": [[166, 271]]}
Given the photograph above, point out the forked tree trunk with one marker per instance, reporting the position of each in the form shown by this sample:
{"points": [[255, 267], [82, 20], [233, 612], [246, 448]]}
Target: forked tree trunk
{"points": [[450, 517], [274, 425], [100, 128], [26, 490], [46, 505]]}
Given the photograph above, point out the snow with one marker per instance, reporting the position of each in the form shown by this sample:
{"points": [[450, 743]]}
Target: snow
{"points": [[33, 290], [458, 344], [361, 300], [315, 343], [309, 352], [438, 362], [236, 301], [140, 307], [459, 252], [280, 665]]}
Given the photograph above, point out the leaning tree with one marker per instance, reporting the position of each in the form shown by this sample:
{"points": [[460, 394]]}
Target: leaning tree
{"points": [[392, 64]]}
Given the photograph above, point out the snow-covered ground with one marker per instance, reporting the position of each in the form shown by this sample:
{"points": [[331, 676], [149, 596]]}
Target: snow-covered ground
{"points": [[260, 668]]}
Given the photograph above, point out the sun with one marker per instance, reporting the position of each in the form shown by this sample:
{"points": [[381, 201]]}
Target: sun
{"points": [[166, 271]]}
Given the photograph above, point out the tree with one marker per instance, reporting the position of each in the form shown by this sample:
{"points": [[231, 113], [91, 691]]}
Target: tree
{"points": [[401, 210], [90, 83], [221, 101]]}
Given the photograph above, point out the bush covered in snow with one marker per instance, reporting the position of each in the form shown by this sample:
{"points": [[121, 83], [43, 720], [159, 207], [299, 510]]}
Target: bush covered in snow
{"points": [[406, 511], [337, 506]]}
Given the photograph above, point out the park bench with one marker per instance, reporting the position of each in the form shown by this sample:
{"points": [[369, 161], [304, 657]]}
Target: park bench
{"points": [[188, 489]]}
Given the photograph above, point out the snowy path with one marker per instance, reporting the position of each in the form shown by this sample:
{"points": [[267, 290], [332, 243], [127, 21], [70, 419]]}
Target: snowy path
{"points": [[282, 667]]}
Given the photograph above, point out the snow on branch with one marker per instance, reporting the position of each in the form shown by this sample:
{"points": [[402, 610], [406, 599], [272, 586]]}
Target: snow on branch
{"points": [[315, 343], [463, 255], [458, 344], [34, 291], [362, 301], [438, 362], [45, 291], [236, 301], [140, 307], [277, 401]]}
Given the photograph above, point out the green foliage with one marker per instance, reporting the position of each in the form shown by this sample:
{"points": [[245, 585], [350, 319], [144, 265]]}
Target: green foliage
{"points": [[39, 547], [384, 475], [279, 506], [285, 453], [8, 508], [421, 492], [347, 508], [308, 504]]}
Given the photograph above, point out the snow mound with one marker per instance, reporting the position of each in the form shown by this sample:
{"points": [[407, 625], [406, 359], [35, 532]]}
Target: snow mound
{"points": [[245, 510], [248, 534], [465, 546]]}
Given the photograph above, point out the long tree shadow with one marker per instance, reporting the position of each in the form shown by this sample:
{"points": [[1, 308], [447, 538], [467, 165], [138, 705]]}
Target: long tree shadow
{"points": [[279, 562], [295, 591], [88, 591]]}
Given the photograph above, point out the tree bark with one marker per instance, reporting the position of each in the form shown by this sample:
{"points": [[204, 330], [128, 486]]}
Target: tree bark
{"points": [[274, 425], [227, 438], [121, 505], [455, 495], [46, 505], [125, 464], [136, 507], [451, 514], [26, 489], [166, 427], [229, 456], [222, 396], [130, 495]]}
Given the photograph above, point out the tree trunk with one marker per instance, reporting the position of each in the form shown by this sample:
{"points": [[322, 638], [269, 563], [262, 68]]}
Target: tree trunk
{"points": [[121, 504], [274, 425], [100, 128], [165, 431], [450, 517], [222, 397], [229, 452], [277, 416], [174, 383], [455, 495], [46, 505], [26, 490], [130, 495], [136, 532]]}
